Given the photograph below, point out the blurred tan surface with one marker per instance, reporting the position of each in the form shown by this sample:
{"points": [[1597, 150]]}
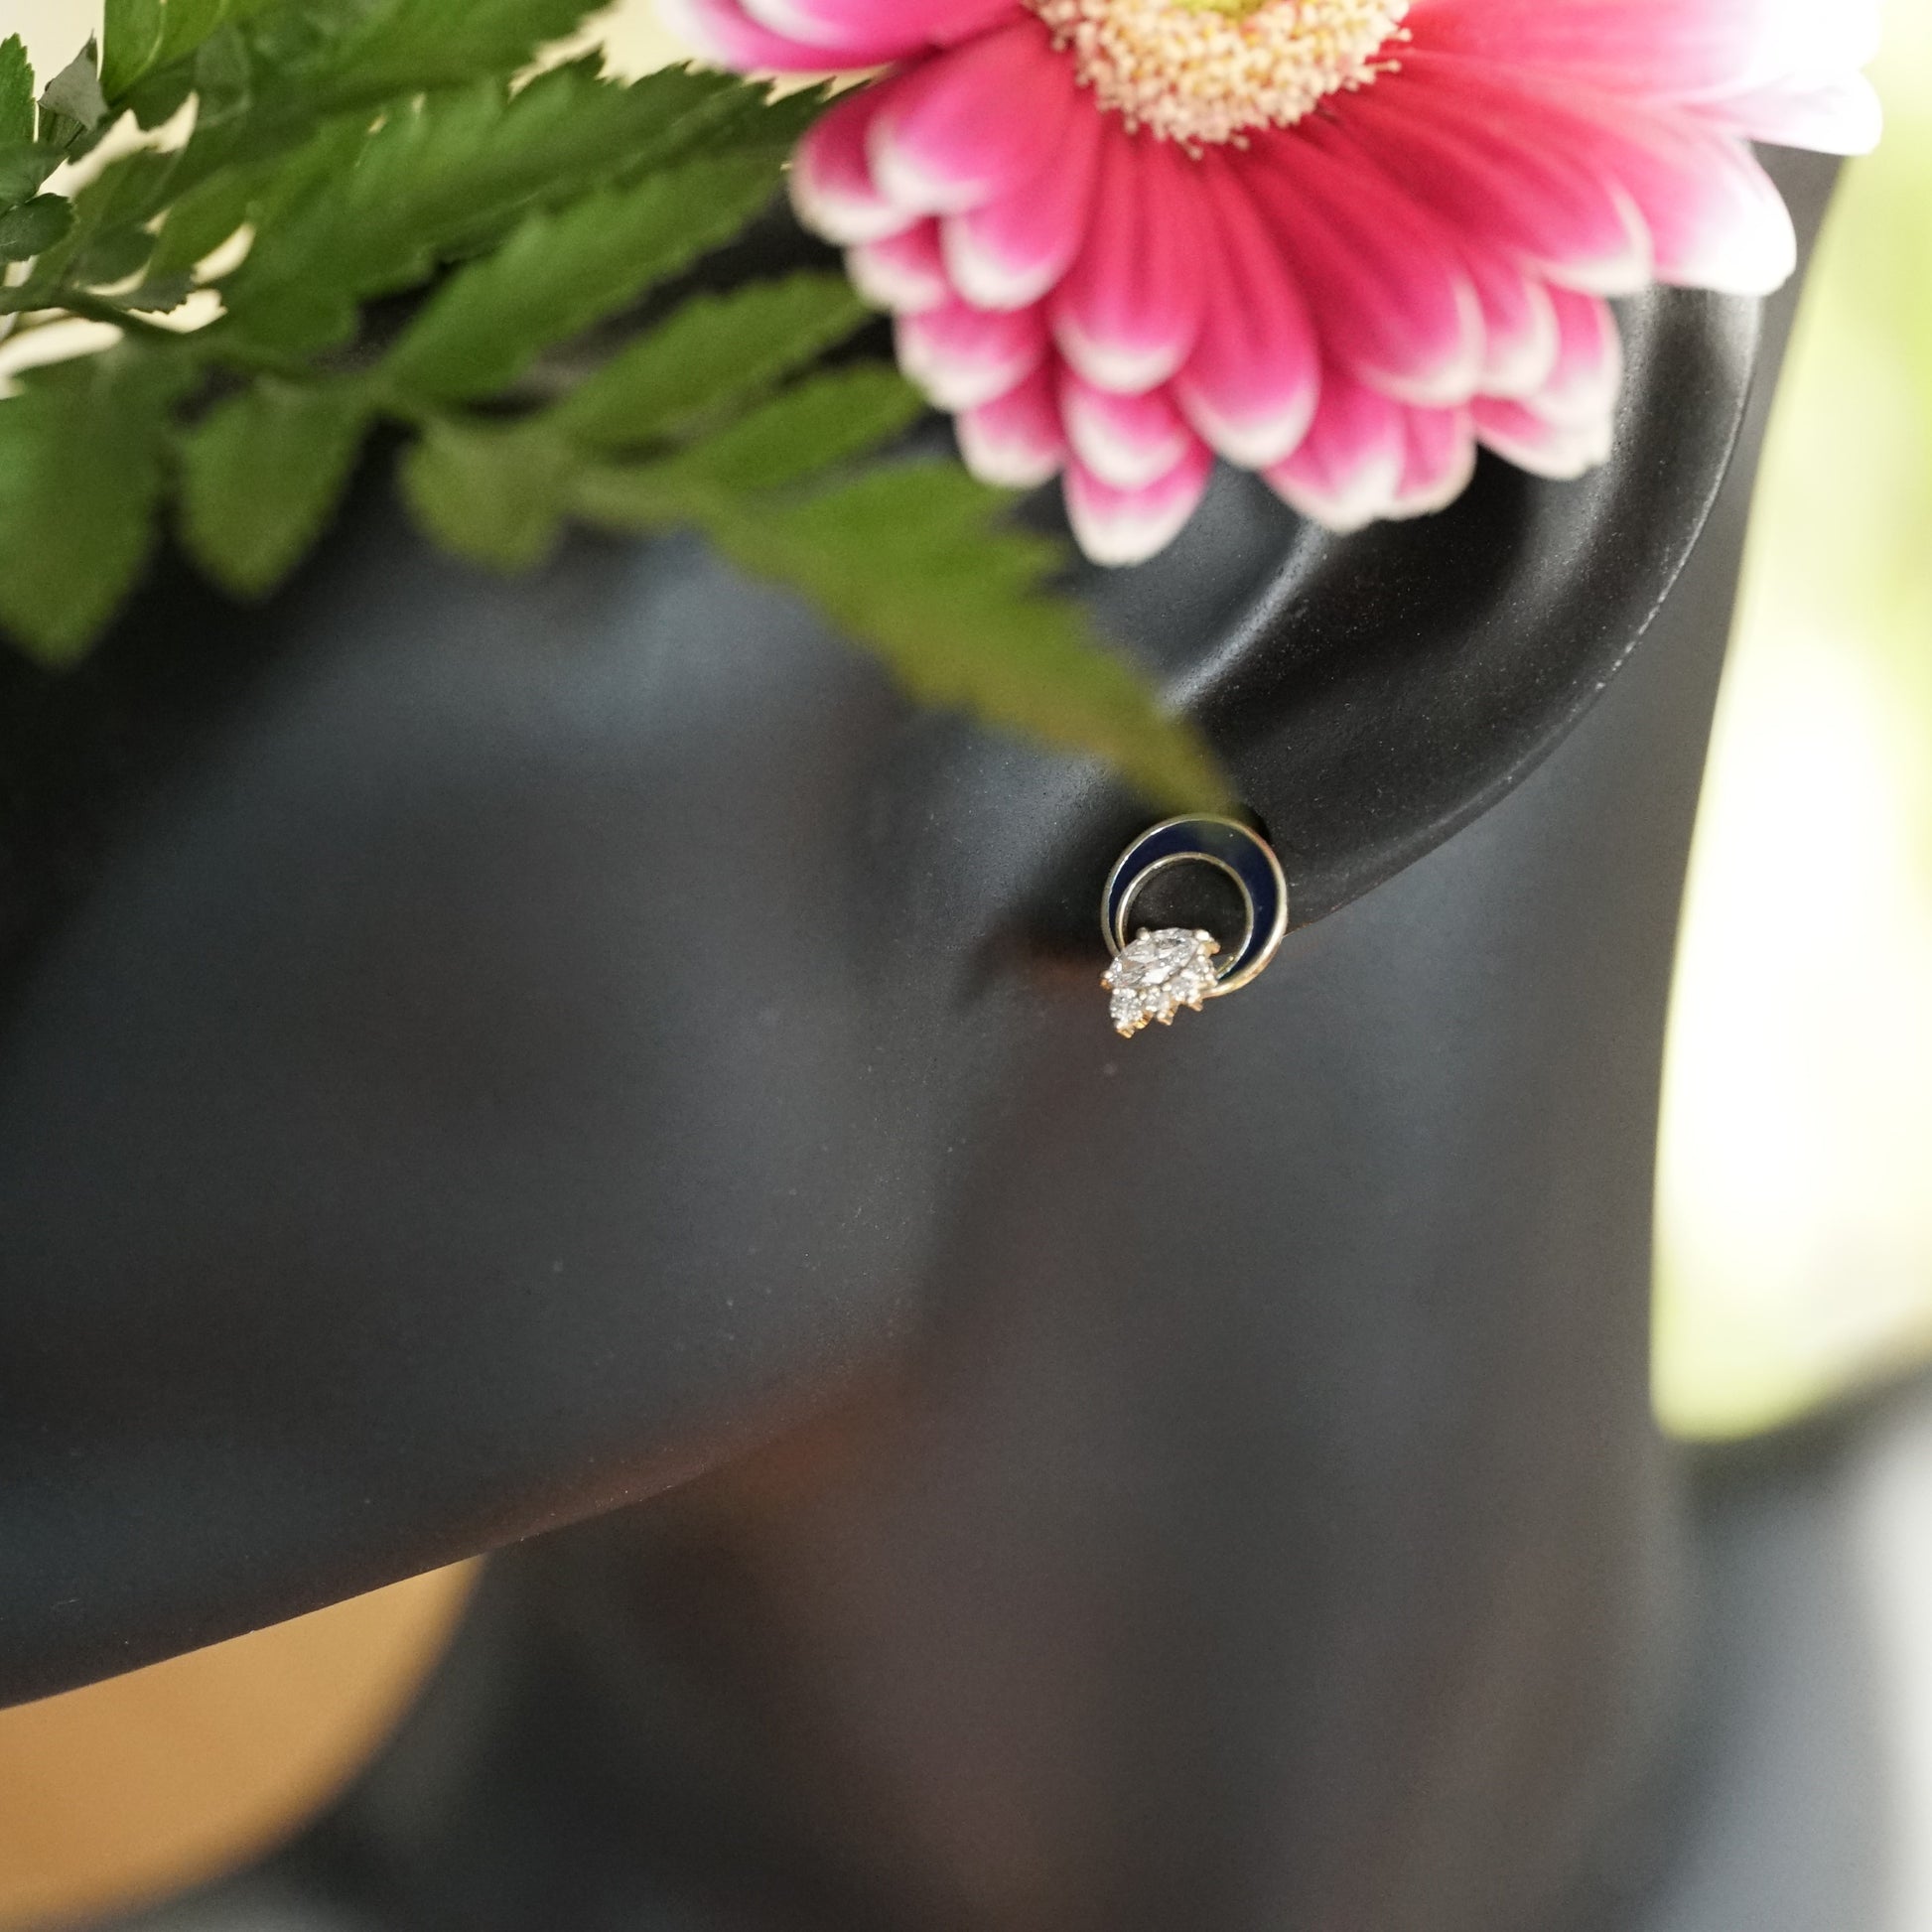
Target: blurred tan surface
{"points": [[128, 1790]]}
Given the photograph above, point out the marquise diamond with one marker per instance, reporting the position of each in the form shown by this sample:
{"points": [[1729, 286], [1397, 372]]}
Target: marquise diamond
{"points": [[1158, 974]]}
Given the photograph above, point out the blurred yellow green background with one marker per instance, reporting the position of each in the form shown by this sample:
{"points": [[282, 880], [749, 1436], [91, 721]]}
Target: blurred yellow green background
{"points": [[1795, 1201]]}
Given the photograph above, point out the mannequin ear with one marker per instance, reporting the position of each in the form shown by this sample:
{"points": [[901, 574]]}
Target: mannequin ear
{"points": [[1372, 694]]}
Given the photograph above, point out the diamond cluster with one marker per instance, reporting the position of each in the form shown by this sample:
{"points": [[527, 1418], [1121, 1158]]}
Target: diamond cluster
{"points": [[1203, 72], [1158, 974]]}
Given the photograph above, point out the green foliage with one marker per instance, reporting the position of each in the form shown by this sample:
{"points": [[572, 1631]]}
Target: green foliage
{"points": [[914, 562], [347, 153], [497, 497], [424, 43], [802, 433], [557, 274], [72, 105], [81, 450], [34, 227], [16, 91], [145, 37], [260, 474], [713, 354]]}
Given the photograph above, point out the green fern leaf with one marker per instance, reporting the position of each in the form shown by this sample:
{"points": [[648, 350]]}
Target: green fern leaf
{"points": [[139, 37], [814, 427], [106, 239], [206, 217], [559, 273], [715, 354], [356, 216], [496, 497], [16, 91], [910, 562], [262, 474], [73, 110], [408, 45], [80, 472], [34, 227]]}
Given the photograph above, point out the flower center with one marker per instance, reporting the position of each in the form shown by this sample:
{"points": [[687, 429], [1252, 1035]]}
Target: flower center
{"points": [[1200, 71]]}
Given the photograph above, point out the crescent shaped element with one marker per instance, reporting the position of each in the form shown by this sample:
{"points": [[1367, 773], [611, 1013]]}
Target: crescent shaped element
{"points": [[1228, 846]]}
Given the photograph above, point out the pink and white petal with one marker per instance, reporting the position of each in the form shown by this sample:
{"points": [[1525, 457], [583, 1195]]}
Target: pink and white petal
{"points": [[904, 274], [1439, 459], [1657, 50], [1127, 526], [1563, 450], [1583, 385], [975, 122], [1129, 442], [1347, 470], [1391, 298], [832, 189], [1015, 441], [963, 356], [1716, 219], [724, 33], [1129, 310], [1841, 117], [839, 27], [1249, 387], [1519, 324], [1490, 161], [1012, 249]]}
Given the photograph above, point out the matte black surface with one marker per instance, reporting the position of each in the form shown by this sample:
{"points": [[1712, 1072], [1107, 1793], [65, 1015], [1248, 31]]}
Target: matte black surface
{"points": [[1265, 1529], [475, 1055]]}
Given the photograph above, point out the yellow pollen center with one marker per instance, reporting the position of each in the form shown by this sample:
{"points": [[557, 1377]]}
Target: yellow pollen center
{"points": [[1203, 72]]}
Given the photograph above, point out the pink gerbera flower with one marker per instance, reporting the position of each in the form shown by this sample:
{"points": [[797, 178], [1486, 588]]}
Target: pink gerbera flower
{"points": [[1342, 242]]}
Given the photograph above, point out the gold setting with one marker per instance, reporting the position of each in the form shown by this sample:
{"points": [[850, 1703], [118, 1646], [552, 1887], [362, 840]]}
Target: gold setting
{"points": [[1159, 971]]}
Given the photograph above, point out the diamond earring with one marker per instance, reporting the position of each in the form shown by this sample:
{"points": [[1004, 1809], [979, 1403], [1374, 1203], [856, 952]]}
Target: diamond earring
{"points": [[1157, 973]]}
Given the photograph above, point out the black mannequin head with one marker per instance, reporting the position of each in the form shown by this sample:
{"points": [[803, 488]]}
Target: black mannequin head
{"points": [[474, 1054]]}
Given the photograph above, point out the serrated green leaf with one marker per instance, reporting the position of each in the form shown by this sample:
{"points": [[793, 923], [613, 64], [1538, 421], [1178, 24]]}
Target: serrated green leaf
{"points": [[157, 294], [906, 561], [753, 120], [405, 45], [23, 167], [203, 218], [713, 354], [81, 472], [356, 215], [142, 38], [160, 96], [16, 91], [72, 105], [559, 273], [497, 497], [262, 474], [223, 79], [33, 225], [130, 36], [821, 423], [911, 562], [111, 257], [107, 241]]}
